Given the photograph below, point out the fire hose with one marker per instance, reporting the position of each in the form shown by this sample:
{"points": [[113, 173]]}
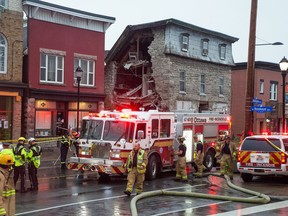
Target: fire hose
{"points": [[260, 198]]}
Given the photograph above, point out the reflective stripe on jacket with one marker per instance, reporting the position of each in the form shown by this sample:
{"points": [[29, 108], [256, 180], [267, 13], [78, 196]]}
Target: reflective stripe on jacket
{"points": [[20, 154], [34, 155], [141, 161], [7, 200]]}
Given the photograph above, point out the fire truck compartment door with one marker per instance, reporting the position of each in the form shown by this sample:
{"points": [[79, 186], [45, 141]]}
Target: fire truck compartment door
{"points": [[211, 130], [188, 142]]}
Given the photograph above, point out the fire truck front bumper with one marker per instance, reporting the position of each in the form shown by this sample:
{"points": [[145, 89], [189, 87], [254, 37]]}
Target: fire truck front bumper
{"points": [[96, 165]]}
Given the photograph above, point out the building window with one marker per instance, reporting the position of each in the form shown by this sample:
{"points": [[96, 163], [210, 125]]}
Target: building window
{"points": [[51, 68], [202, 84], [43, 123], [261, 90], [182, 81], [3, 4], [3, 54], [222, 51], [88, 67], [221, 85], [273, 90], [185, 42], [205, 47]]}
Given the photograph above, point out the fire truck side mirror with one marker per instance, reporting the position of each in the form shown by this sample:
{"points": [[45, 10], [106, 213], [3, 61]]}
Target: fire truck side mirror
{"points": [[140, 134], [122, 141]]}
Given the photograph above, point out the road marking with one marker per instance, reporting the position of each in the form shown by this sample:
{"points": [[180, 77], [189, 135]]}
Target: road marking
{"points": [[255, 209], [190, 209], [96, 200]]}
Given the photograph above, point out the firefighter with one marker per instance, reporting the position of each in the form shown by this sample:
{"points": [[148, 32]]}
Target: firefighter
{"points": [[65, 145], [76, 142], [136, 166], [7, 190], [20, 154], [199, 158], [33, 157], [181, 173], [228, 152]]}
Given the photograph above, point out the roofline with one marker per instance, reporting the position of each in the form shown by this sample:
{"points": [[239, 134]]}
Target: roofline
{"points": [[69, 11], [258, 65], [128, 31]]}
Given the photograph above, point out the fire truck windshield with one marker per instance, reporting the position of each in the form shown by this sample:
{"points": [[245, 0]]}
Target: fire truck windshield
{"points": [[115, 130], [92, 129]]}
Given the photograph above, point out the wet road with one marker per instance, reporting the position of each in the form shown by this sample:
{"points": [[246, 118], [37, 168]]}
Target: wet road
{"points": [[60, 193]]}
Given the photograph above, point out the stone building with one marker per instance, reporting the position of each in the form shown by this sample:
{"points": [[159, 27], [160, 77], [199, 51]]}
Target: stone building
{"points": [[11, 85], [170, 65]]}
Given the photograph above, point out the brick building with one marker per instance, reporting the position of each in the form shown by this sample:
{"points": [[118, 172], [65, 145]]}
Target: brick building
{"points": [[58, 40], [267, 87], [11, 85], [170, 65]]}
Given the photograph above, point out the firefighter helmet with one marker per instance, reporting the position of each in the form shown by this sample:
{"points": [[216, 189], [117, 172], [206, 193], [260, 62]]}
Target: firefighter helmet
{"points": [[21, 139], [6, 159], [76, 135], [31, 140]]}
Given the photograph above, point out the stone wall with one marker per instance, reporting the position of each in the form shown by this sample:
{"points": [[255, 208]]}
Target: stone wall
{"points": [[166, 74]]}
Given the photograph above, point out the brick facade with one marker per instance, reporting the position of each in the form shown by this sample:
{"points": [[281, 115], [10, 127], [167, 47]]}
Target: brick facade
{"points": [[11, 27]]}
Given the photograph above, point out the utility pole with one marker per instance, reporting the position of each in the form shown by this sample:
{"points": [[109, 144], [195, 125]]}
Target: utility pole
{"points": [[250, 74]]}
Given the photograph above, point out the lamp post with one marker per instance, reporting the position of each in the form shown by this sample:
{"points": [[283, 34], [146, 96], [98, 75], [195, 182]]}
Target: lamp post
{"points": [[78, 73], [283, 66], [273, 44]]}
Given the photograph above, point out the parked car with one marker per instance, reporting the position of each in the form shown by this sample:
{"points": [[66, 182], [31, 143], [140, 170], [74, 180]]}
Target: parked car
{"points": [[263, 155]]}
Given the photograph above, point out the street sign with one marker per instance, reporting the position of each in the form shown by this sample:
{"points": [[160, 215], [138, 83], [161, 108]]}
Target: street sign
{"points": [[256, 101], [261, 109]]}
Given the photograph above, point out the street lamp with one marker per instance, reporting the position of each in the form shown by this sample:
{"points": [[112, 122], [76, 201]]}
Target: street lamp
{"points": [[274, 44], [283, 67], [78, 73]]}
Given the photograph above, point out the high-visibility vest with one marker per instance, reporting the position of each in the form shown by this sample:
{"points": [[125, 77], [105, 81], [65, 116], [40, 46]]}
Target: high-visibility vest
{"points": [[20, 154], [141, 165], [34, 155]]}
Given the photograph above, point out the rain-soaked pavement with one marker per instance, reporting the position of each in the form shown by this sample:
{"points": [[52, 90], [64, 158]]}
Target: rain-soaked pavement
{"points": [[61, 193]]}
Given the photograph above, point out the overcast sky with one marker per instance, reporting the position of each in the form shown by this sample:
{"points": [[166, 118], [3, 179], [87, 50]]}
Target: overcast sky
{"points": [[231, 17]]}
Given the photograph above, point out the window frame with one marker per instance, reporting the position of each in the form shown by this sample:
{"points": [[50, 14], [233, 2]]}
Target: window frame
{"points": [[222, 51], [79, 62], [261, 86], [4, 46], [182, 81], [202, 84], [273, 96], [205, 46], [221, 85], [185, 42], [57, 68]]}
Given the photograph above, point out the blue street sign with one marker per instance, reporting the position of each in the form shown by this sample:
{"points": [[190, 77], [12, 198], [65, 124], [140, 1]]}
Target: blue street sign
{"points": [[261, 109], [256, 101]]}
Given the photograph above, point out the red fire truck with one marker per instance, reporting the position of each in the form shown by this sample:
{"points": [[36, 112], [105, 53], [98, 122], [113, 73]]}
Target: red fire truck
{"points": [[207, 127], [108, 137]]}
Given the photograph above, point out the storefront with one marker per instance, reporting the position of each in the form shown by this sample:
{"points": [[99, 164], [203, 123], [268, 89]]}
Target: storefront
{"points": [[6, 116], [54, 118]]}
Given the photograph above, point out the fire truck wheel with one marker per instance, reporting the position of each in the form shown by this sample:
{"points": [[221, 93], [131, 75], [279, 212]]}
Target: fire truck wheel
{"points": [[209, 160], [152, 168], [246, 177]]}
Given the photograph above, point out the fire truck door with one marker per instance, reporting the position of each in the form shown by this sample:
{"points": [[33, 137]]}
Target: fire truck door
{"points": [[188, 134]]}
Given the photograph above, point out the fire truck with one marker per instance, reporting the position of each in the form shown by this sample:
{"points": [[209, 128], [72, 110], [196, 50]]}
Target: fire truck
{"points": [[108, 137], [206, 127]]}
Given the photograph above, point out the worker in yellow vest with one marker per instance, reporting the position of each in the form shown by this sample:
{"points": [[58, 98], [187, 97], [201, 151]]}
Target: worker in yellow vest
{"points": [[136, 165], [20, 154]]}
